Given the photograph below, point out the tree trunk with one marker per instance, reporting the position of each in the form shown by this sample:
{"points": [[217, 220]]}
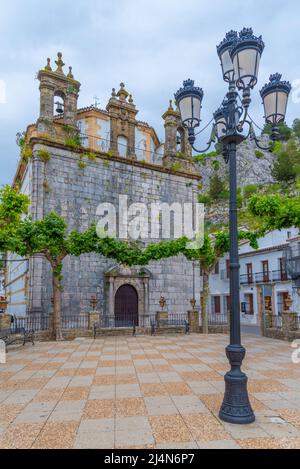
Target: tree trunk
{"points": [[56, 265], [57, 307], [205, 296]]}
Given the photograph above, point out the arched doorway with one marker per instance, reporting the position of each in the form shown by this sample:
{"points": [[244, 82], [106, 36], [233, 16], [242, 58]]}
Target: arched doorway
{"points": [[126, 306]]}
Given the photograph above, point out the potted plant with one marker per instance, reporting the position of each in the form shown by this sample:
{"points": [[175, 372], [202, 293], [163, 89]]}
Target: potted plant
{"points": [[288, 302], [3, 303]]}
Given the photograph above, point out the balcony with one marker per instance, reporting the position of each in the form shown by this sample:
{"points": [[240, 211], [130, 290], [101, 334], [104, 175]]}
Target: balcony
{"points": [[264, 277], [280, 276], [246, 279], [272, 276]]}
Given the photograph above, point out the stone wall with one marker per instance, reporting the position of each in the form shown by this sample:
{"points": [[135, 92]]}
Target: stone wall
{"points": [[288, 331], [273, 333], [75, 194]]}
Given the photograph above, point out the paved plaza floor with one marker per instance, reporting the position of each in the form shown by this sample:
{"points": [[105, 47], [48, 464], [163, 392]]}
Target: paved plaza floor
{"points": [[145, 392]]}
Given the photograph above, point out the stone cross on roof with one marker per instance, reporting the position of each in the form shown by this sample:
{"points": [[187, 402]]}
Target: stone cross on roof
{"points": [[59, 62]]}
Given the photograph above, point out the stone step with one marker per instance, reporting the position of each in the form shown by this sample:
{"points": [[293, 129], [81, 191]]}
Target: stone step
{"points": [[115, 331], [170, 330], [121, 331]]}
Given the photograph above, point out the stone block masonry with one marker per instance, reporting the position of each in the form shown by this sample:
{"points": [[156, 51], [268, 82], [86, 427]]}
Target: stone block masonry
{"points": [[75, 194]]}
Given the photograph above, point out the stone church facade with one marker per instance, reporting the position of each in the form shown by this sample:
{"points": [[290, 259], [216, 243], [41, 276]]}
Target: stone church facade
{"points": [[118, 155]]}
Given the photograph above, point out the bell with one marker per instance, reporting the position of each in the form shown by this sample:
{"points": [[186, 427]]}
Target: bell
{"points": [[59, 108]]}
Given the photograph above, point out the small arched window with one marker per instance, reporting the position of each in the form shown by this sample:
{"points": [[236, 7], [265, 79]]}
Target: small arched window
{"points": [[59, 104], [180, 140], [142, 150], [122, 145]]}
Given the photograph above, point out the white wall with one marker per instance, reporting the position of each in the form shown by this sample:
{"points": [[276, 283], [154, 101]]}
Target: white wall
{"points": [[17, 268], [270, 249]]}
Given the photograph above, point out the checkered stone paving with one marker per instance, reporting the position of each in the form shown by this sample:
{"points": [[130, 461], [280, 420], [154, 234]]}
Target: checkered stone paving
{"points": [[145, 392]]}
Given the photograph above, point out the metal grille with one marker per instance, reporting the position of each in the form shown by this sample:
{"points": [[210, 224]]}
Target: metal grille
{"points": [[276, 322], [218, 319], [75, 322]]}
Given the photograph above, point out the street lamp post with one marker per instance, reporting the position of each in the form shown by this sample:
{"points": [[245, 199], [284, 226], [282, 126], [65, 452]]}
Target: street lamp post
{"points": [[240, 56]]}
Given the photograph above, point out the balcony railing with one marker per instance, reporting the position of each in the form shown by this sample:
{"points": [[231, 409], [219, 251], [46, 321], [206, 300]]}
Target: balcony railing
{"points": [[279, 275], [264, 277], [276, 322], [246, 279]]}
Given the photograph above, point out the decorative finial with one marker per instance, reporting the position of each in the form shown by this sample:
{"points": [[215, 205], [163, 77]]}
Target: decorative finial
{"points": [[170, 105], [122, 93], [113, 93], [231, 35], [130, 100], [246, 32], [70, 74], [59, 62], [48, 66], [275, 77], [228, 41], [188, 83]]}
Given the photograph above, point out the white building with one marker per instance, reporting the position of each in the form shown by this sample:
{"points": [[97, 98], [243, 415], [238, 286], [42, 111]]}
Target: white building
{"points": [[2, 282], [264, 282]]}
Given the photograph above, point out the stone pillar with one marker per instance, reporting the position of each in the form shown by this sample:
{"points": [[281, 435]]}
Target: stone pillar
{"points": [[131, 140], [146, 297], [193, 318], [111, 301], [70, 111], [46, 100], [5, 321], [187, 149], [37, 274], [162, 317], [263, 324], [269, 319], [171, 119], [113, 135], [94, 316]]}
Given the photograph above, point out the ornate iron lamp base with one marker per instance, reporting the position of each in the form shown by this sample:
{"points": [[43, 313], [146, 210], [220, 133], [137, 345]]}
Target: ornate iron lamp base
{"points": [[236, 407]]}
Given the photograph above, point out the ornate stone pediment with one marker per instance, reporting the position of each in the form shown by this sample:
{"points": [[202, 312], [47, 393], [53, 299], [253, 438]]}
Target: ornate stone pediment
{"points": [[137, 277], [124, 271]]}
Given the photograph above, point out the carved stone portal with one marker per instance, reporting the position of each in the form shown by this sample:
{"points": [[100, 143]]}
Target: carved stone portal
{"points": [[137, 278]]}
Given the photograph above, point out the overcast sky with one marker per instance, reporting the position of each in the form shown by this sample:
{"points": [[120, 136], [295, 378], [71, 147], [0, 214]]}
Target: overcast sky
{"points": [[151, 45]]}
